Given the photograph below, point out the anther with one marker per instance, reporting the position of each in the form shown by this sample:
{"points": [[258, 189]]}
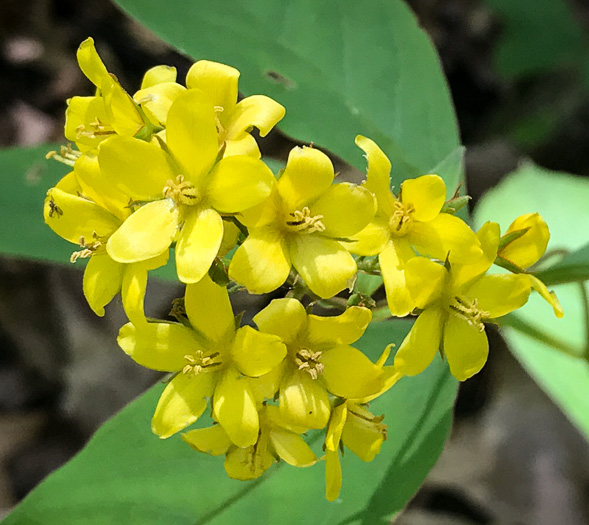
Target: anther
{"points": [[181, 191], [303, 222], [308, 361], [469, 311], [401, 219]]}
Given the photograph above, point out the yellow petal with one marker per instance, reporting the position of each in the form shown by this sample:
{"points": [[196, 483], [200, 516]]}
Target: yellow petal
{"points": [[307, 175], [253, 178], [217, 81], [69, 183], [527, 249], [345, 209], [499, 294], [421, 344], [446, 234], [333, 475], [210, 440], [292, 448], [378, 177], [547, 295], [230, 236], [158, 75], [372, 240], [81, 112], [134, 167], [337, 421], [121, 110], [198, 245], [182, 402], [425, 279], [465, 346], [159, 346], [363, 434], [234, 408], [262, 262], [191, 134], [91, 64], [157, 100], [133, 292], [285, 318], [304, 401], [349, 373], [392, 265], [324, 264], [265, 387], [256, 111], [246, 145], [102, 281], [72, 217], [256, 353], [146, 233], [209, 310], [249, 463], [426, 194], [346, 328]]}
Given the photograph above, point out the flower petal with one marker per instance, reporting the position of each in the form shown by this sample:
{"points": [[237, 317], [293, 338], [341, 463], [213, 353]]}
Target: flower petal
{"points": [[425, 280], [72, 217], [285, 318], [218, 81], [209, 310], [421, 344], [346, 328], [157, 100], [234, 408], [392, 266], [324, 264], [159, 346], [372, 240], [248, 463], [465, 346], [148, 232], [191, 134], [198, 244], [307, 175], [334, 431], [548, 296], [102, 281], [255, 111], [182, 402], [527, 249], [90, 63], [210, 440], [499, 294], [262, 262], [292, 448], [245, 145], [304, 401], [427, 194], [363, 433], [378, 177], [256, 353], [121, 110], [158, 75], [346, 209], [133, 290], [136, 168], [81, 112], [348, 373], [253, 178]]}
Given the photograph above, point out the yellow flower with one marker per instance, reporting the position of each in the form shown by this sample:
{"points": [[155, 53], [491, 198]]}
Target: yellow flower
{"points": [[301, 225], [277, 440], [320, 360], [359, 430], [79, 214], [235, 119], [413, 220], [521, 246], [211, 358], [183, 187], [456, 300]]}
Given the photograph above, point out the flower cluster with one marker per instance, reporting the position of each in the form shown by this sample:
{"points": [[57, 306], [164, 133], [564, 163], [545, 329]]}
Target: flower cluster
{"points": [[176, 166]]}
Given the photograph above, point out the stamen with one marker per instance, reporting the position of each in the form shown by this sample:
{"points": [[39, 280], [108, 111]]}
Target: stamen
{"points": [[199, 361], [401, 220], [221, 131], [303, 222], [89, 249], [309, 362], [182, 191], [469, 311], [94, 129], [66, 155]]}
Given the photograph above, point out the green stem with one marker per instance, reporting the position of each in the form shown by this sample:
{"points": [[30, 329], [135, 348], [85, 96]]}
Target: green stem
{"points": [[585, 301]]}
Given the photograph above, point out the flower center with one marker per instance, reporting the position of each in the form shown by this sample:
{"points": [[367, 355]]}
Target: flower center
{"points": [[93, 130], [302, 222], [181, 191], [308, 361], [401, 220], [468, 310], [198, 362], [89, 248]]}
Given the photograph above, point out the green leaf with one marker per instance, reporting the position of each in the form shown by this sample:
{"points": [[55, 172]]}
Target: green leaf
{"points": [[340, 67], [572, 267], [552, 350], [535, 38], [127, 475]]}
